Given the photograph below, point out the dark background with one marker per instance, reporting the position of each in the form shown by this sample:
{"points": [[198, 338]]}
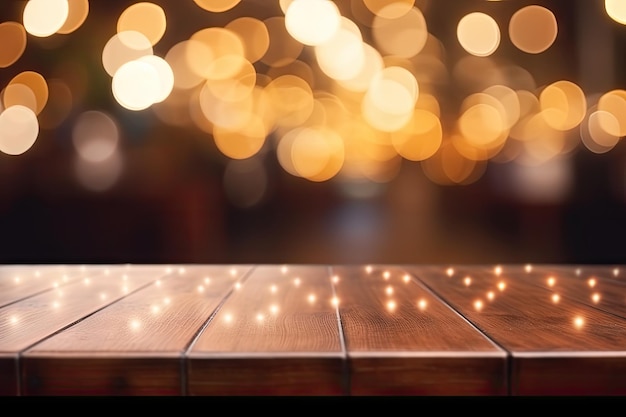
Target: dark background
{"points": [[170, 204]]}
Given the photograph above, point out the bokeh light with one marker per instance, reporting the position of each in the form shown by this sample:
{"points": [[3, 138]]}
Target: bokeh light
{"points": [[312, 22], [19, 129], [616, 10], [146, 18], [43, 18], [479, 34], [533, 29], [13, 37], [383, 100]]}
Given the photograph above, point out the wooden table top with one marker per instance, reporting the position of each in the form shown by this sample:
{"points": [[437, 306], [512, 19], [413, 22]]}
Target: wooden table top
{"points": [[336, 330]]}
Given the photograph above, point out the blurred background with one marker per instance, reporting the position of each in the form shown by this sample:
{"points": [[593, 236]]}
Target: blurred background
{"points": [[352, 131]]}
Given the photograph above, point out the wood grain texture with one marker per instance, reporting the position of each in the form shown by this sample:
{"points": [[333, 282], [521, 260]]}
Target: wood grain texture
{"points": [[254, 330], [269, 337], [402, 340], [135, 346], [28, 321], [543, 336], [18, 282], [595, 286]]}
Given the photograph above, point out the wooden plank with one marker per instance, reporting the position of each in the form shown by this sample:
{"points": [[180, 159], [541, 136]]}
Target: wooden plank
{"points": [[597, 286], [557, 347], [26, 322], [9, 385], [21, 281], [134, 346], [402, 340], [269, 338]]}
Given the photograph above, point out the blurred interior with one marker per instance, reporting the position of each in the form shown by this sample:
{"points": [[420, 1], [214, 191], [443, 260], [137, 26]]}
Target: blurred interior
{"points": [[510, 149]]}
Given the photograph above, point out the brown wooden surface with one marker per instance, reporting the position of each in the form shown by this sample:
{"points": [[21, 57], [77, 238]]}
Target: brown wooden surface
{"points": [[30, 320], [21, 281], [541, 335], [269, 338], [593, 285], [9, 385], [402, 340], [167, 333], [135, 346]]}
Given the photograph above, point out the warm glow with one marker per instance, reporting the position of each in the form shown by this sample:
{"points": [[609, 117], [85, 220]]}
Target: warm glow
{"points": [[528, 268], [563, 105], [342, 57], [283, 49], [254, 36], [312, 22], [479, 34], [165, 76], [533, 29], [551, 281], [14, 41], [616, 9], [579, 322], [311, 298], [373, 63], [400, 32], [421, 304], [595, 297], [478, 305], [420, 138], [334, 301], [136, 85], [391, 305], [78, 12], [467, 281], [147, 18], [501, 285], [389, 9], [450, 272], [491, 295], [556, 298], [124, 47], [216, 6], [592, 282], [389, 290], [611, 114], [19, 129], [43, 18], [38, 86]]}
